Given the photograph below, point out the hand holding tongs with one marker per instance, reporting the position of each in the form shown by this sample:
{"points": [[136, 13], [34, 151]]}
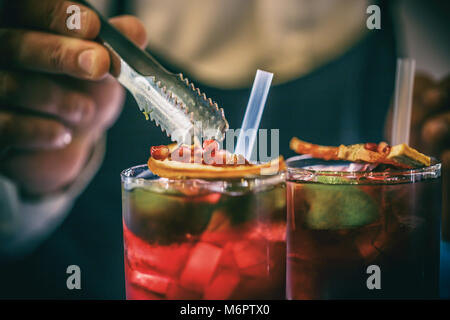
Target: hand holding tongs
{"points": [[169, 99]]}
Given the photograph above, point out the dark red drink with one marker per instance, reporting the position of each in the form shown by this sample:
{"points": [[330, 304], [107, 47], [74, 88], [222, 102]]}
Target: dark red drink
{"points": [[342, 225]]}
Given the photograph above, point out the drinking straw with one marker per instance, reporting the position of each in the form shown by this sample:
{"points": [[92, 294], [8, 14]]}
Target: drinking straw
{"points": [[401, 121], [253, 113]]}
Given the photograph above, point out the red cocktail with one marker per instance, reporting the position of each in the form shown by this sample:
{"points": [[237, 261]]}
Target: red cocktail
{"points": [[198, 239]]}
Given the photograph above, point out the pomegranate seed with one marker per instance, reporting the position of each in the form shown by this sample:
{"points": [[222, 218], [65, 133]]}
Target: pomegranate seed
{"points": [[159, 152], [210, 144]]}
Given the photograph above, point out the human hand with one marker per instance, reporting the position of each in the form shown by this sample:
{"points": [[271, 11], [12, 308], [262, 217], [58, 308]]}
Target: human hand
{"points": [[56, 98], [430, 130]]}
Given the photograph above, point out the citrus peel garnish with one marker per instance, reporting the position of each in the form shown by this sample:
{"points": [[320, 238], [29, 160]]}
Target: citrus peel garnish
{"points": [[206, 163], [401, 156]]}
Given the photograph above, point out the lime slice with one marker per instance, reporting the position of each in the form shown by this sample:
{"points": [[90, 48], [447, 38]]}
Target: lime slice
{"points": [[338, 207]]}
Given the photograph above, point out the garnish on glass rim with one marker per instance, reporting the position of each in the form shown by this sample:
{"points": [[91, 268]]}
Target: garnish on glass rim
{"points": [[400, 156], [206, 162]]}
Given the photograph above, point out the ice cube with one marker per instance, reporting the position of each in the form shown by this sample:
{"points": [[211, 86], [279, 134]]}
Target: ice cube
{"points": [[200, 266], [260, 258], [219, 221], [138, 293], [249, 253], [176, 292], [218, 230], [142, 256], [153, 282], [222, 286], [227, 260], [218, 239], [260, 270], [270, 231], [254, 288]]}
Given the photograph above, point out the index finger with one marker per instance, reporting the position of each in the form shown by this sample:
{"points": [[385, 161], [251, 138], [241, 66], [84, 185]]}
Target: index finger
{"points": [[58, 16], [32, 132], [436, 133]]}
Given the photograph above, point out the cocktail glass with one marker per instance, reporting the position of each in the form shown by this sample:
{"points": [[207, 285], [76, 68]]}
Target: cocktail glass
{"points": [[198, 239], [362, 235]]}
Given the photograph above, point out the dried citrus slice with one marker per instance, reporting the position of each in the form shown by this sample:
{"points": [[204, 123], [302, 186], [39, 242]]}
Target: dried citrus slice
{"points": [[400, 156], [206, 163]]}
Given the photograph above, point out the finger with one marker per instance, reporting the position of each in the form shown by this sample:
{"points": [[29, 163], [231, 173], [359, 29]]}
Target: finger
{"points": [[444, 85], [436, 133], [435, 99], [108, 95], [62, 17], [431, 101], [44, 171], [51, 53], [422, 81], [39, 93], [429, 98], [131, 27], [445, 82], [20, 131]]}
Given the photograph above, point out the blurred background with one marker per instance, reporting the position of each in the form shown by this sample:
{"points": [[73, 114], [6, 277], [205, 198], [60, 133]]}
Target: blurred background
{"points": [[333, 84]]}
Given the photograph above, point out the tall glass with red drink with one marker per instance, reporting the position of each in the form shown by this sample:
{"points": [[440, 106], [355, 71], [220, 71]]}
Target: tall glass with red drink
{"points": [[199, 239]]}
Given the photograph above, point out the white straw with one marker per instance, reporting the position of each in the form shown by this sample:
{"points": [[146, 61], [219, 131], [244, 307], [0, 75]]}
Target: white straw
{"points": [[401, 122], [253, 113]]}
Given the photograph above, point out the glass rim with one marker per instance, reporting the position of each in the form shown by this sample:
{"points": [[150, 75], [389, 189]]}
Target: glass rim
{"points": [[265, 180], [432, 171]]}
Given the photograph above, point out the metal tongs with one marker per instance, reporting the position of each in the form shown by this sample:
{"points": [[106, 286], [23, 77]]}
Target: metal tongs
{"points": [[169, 99]]}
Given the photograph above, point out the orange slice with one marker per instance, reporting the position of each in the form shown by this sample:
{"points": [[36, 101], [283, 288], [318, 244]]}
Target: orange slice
{"points": [[171, 169]]}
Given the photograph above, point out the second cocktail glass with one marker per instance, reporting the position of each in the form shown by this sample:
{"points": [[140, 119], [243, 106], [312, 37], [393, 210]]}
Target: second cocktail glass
{"points": [[361, 234]]}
